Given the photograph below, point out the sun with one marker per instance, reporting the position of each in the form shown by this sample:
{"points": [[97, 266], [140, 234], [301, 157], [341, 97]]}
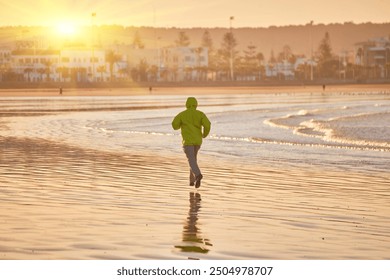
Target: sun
{"points": [[66, 28]]}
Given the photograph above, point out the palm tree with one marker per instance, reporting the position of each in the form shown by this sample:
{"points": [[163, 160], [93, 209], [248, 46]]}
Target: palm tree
{"points": [[143, 69], [112, 58], [101, 69], [360, 55], [123, 73], [198, 52], [78, 74], [260, 59], [41, 71], [153, 70], [64, 73], [188, 71], [48, 64], [28, 71]]}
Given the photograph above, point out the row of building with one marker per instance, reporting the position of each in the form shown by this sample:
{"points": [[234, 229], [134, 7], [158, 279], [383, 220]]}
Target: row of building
{"points": [[367, 60], [172, 64], [95, 65]]}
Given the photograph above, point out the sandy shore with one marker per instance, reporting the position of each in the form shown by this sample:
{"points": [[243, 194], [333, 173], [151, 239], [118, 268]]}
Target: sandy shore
{"points": [[194, 90], [60, 201], [63, 202]]}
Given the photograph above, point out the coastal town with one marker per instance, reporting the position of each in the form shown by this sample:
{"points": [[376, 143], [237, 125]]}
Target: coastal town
{"points": [[29, 60]]}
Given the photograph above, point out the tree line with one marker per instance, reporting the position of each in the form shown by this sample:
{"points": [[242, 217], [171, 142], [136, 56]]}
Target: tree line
{"points": [[227, 63], [227, 59]]}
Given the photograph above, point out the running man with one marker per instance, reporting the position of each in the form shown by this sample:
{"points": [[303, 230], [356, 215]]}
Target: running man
{"points": [[191, 122]]}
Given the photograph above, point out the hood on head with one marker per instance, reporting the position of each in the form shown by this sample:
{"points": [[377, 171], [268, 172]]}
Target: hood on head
{"points": [[191, 102]]}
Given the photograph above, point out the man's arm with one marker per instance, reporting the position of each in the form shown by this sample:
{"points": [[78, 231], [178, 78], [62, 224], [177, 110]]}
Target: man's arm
{"points": [[176, 123], [206, 126]]}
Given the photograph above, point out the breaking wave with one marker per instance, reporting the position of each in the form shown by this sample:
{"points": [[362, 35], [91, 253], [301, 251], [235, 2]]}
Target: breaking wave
{"points": [[340, 127]]}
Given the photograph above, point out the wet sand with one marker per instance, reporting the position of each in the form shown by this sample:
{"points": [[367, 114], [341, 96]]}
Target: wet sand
{"points": [[64, 202], [60, 201], [353, 88]]}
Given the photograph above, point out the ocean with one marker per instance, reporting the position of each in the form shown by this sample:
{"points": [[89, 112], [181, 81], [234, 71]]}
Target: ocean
{"points": [[336, 130]]}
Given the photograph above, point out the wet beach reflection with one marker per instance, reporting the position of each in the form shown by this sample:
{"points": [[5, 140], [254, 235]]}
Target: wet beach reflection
{"points": [[192, 240]]}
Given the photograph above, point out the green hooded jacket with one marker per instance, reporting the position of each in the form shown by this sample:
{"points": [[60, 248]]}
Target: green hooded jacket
{"points": [[191, 121]]}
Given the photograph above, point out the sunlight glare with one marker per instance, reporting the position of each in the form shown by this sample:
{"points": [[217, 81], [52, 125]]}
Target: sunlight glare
{"points": [[66, 28]]}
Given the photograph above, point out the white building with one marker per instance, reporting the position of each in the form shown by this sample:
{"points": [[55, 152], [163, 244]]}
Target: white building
{"points": [[91, 65], [35, 65], [374, 56], [283, 69], [166, 64], [83, 65], [183, 63], [5, 62], [5, 56], [78, 65]]}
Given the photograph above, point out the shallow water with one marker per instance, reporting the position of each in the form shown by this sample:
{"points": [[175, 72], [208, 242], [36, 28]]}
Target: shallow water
{"points": [[105, 178], [334, 129]]}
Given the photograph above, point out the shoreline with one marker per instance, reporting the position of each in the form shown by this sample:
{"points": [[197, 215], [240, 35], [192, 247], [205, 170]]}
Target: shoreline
{"points": [[177, 90]]}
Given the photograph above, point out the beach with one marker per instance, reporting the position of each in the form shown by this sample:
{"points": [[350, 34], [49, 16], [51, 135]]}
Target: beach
{"points": [[156, 90], [289, 173]]}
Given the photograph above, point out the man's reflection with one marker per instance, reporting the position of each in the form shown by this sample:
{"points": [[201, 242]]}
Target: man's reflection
{"points": [[192, 239]]}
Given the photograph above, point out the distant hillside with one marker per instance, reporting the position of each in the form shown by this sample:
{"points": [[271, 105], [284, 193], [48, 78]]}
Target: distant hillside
{"points": [[343, 36], [299, 38]]}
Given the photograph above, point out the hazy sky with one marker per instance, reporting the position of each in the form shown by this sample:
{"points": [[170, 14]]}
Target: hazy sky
{"points": [[192, 13]]}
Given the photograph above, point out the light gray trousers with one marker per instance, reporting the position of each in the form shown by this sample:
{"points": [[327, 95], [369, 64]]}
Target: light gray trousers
{"points": [[191, 153]]}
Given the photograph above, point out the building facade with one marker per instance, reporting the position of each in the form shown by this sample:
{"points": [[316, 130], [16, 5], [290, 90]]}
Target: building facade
{"points": [[174, 64], [5, 62], [168, 64], [32, 65], [373, 57], [183, 64]]}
